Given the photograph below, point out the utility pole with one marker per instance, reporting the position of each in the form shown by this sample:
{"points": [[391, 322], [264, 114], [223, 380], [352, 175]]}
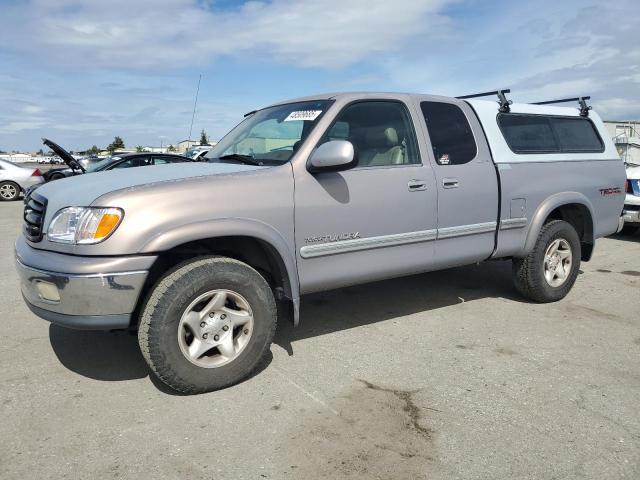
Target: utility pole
{"points": [[195, 103]]}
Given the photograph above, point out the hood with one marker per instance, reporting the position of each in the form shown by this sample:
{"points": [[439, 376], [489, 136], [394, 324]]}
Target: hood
{"points": [[64, 155], [82, 190]]}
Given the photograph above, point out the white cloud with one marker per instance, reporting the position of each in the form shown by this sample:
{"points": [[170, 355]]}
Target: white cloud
{"points": [[125, 33], [32, 109], [85, 71]]}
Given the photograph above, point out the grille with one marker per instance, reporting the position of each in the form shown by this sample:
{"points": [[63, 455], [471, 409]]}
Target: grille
{"points": [[34, 216]]}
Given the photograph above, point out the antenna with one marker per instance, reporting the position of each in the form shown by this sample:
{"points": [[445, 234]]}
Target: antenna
{"points": [[195, 103], [582, 101], [502, 99]]}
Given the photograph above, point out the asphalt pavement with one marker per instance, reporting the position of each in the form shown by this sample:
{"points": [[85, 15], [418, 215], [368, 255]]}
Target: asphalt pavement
{"points": [[446, 375]]}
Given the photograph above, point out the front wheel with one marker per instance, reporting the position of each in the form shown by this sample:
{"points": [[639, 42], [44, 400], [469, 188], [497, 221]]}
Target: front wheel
{"points": [[550, 270], [207, 324]]}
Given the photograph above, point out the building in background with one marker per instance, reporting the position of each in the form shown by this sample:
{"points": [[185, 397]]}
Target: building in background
{"points": [[185, 145], [155, 149], [626, 136]]}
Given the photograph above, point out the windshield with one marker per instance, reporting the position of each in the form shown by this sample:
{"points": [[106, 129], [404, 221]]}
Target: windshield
{"points": [[271, 135], [100, 164]]}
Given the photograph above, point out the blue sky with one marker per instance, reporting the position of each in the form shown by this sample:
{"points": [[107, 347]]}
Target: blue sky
{"points": [[82, 72]]}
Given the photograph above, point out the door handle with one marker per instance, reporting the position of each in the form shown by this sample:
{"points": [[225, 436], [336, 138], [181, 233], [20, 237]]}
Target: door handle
{"points": [[417, 185], [450, 182]]}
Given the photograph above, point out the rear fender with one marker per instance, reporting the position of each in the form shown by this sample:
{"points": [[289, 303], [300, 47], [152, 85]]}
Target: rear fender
{"points": [[548, 206]]}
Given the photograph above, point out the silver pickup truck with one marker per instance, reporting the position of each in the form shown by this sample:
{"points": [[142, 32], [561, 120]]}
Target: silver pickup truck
{"points": [[313, 194]]}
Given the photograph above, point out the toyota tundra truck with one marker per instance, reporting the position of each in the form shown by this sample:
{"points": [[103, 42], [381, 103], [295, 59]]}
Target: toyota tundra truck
{"points": [[313, 194]]}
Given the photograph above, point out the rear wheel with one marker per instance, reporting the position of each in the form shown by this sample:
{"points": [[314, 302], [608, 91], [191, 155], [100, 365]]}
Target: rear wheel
{"points": [[550, 270], [9, 191], [207, 324]]}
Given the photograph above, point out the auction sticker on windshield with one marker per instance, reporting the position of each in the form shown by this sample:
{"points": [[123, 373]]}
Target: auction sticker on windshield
{"points": [[303, 115]]}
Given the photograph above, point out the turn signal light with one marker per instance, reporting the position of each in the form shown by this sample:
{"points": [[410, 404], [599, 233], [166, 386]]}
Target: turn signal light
{"points": [[107, 224]]}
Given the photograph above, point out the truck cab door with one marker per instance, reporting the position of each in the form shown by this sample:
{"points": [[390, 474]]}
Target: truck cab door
{"points": [[376, 220], [467, 182]]}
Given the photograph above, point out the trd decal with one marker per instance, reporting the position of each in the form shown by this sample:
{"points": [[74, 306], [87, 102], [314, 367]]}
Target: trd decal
{"points": [[605, 192]]}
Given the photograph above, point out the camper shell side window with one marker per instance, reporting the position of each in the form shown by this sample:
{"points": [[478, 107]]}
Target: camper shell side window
{"points": [[532, 133]]}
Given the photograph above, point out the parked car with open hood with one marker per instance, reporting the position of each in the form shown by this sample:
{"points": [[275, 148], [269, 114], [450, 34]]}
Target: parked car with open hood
{"points": [[125, 160], [313, 194], [15, 180]]}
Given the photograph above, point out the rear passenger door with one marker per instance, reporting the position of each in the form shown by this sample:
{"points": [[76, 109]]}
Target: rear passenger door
{"points": [[466, 180]]}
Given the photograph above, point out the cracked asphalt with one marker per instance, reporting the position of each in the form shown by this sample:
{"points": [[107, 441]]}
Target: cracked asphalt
{"points": [[446, 375]]}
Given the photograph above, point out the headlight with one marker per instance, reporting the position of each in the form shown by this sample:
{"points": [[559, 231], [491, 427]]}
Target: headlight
{"points": [[84, 225]]}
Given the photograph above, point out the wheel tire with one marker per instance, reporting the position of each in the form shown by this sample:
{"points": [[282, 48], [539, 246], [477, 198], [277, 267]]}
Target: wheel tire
{"points": [[528, 272], [9, 191], [56, 176], [171, 297], [629, 230]]}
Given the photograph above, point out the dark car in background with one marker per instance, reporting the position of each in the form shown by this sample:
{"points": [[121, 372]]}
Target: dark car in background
{"points": [[125, 160]]}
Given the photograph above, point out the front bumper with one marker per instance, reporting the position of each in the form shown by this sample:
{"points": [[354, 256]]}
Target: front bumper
{"points": [[631, 216], [100, 300]]}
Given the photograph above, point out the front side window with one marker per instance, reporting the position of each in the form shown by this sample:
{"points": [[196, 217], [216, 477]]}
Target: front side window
{"points": [[271, 135], [450, 133], [381, 133]]}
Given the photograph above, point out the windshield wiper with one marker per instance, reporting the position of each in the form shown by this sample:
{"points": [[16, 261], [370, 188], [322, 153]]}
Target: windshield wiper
{"points": [[248, 159]]}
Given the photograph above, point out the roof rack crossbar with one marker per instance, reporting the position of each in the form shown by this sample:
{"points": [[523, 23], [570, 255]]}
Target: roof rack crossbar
{"points": [[502, 99], [584, 108]]}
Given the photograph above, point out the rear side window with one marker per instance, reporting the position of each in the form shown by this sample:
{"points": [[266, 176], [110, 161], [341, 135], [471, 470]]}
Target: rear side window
{"points": [[549, 134], [450, 133]]}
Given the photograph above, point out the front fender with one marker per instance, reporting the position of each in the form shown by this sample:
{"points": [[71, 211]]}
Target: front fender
{"points": [[548, 206], [228, 227]]}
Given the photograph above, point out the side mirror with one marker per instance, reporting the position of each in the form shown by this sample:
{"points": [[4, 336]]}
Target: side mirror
{"points": [[332, 156]]}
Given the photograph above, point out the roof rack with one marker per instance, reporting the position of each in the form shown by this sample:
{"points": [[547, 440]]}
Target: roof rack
{"points": [[502, 100], [584, 108]]}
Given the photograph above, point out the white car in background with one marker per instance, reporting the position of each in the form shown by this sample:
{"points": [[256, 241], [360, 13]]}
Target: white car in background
{"points": [[631, 212], [197, 153], [15, 180]]}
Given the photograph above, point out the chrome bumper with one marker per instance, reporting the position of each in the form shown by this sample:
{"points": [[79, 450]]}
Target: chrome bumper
{"points": [[98, 301], [631, 216]]}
